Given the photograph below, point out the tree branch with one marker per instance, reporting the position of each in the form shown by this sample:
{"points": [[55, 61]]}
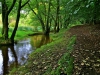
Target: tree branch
{"points": [[31, 9], [38, 16], [34, 11], [14, 1], [25, 4]]}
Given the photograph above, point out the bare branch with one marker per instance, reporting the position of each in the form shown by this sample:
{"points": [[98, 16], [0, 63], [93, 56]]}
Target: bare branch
{"points": [[31, 9], [14, 1], [25, 4]]}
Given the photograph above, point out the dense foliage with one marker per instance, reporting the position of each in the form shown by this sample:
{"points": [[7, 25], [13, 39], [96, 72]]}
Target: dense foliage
{"points": [[47, 15]]}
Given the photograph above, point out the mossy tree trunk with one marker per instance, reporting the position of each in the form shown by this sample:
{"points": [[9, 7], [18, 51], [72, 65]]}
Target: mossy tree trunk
{"points": [[5, 14], [5, 20]]}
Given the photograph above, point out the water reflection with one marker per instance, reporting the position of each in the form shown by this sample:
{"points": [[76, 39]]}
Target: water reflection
{"points": [[12, 56], [23, 49], [5, 59], [40, 40], [4, 56]]}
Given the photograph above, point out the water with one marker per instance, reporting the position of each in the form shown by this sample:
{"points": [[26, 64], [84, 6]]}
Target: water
{"points": [[39, 40], [13, 56]]}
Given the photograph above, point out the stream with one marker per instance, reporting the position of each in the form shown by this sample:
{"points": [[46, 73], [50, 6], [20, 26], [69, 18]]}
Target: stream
{"points": [[14, 56]]}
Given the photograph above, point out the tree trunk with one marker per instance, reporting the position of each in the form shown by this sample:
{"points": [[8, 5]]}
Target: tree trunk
{"points": [[5, 32], [4, 20], [5, 14], [17, 21], [96, 11], [56, 28], [47, 31]]}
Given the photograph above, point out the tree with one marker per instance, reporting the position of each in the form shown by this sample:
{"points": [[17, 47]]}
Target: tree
{"points": [[87, 10], [5, 13], [20, 6], [7, 7], [56, 27], [48, 13], [42, 10], [48, 19]]}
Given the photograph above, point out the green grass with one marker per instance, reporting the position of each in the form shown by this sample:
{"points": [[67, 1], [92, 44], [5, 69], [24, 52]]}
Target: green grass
{"points": [[21, 33], [58, 35], [22, 70], [65, 62]]}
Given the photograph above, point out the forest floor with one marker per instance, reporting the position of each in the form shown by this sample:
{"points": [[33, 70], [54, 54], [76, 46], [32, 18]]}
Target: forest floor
{"points": [[86, 50], [86, 54]]}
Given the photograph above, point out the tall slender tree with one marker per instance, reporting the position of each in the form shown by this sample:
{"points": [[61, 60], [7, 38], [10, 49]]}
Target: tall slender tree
{"points": [[20, 6], [56, 27]]}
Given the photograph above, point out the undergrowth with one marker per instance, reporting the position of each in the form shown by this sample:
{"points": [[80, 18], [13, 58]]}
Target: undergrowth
{"points": [[65, 62]]}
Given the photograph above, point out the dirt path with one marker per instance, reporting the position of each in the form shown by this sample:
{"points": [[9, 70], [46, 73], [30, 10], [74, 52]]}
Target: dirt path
{"points": [[87, 50]]}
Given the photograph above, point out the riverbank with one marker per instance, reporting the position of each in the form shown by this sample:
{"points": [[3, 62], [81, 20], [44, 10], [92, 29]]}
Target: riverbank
{"points": [[51, 58], [20, 34], [74, 52]]}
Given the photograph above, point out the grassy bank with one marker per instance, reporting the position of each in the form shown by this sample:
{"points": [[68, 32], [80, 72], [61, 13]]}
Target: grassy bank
{"points": [[51, 59], [21, 32]]}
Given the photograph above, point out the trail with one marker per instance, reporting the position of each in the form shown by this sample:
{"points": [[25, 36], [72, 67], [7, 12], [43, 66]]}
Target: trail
{"points": [[87, 50]]}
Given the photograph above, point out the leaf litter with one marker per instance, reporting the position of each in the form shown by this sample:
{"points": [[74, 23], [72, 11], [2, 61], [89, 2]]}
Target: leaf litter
{"points": [[86, 50]]}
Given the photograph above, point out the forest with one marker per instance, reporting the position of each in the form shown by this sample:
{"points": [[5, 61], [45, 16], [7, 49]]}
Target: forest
{"points": [[62, 36]]}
